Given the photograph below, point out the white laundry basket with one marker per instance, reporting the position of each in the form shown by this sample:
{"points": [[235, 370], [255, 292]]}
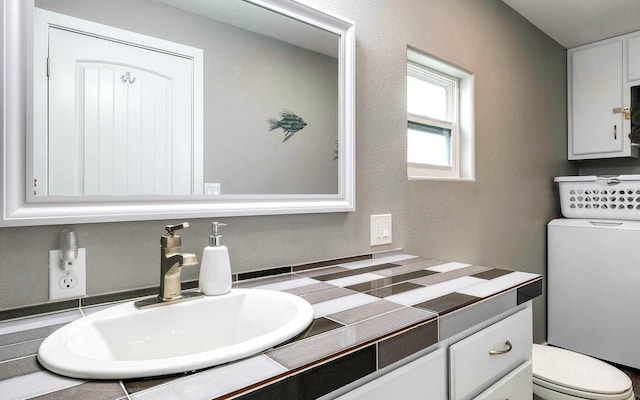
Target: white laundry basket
{"points": [[601, 197]]}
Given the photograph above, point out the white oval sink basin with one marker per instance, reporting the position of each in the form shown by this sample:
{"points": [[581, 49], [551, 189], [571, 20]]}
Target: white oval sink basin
{"points": [[125, 342]]}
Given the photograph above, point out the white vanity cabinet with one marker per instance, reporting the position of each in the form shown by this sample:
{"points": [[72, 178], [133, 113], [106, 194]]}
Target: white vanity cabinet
{"points": [[598, 83], [477, 365]]}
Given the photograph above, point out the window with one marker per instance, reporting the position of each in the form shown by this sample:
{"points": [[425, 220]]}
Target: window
{"points": [[439, 119]]}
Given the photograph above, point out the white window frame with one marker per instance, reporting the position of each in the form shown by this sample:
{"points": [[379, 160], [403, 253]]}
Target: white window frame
{"points": [[459, 86], [450, 85]]}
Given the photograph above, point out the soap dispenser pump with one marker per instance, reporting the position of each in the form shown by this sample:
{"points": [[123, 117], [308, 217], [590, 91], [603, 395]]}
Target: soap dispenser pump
{"points": [[215, 268]]}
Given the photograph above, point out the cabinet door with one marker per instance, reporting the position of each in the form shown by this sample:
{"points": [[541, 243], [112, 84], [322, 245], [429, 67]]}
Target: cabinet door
{"points": [[424, 378], [633, 58], [516, 385], [595, 89]]}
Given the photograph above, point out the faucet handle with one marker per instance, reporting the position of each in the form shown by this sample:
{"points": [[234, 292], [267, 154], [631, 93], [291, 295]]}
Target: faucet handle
{"points": [[171, 240], [171, 228]]}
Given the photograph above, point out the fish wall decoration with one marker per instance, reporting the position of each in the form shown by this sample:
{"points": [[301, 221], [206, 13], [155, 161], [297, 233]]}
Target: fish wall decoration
{"points": [[290, 123]]}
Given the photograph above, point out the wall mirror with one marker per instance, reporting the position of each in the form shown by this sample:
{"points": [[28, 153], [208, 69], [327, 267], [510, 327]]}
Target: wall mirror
{"points": [[122, 110]]}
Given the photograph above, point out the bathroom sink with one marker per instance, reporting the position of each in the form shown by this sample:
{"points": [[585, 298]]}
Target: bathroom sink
{"points": [[125, 342]]}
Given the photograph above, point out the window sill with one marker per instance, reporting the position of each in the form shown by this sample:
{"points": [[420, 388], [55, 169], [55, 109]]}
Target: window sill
{"points": [[440, 178]]}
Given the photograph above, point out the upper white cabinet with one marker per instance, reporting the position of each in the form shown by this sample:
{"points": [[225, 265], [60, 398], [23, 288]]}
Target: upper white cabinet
{"points": [[600, 76]]}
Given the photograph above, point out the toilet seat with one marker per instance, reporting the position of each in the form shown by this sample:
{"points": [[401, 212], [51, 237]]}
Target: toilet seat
{"points": [[549, 391], [578, 375]]}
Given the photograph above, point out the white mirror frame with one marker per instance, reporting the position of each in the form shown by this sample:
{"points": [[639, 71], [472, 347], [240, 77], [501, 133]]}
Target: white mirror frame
{"points": [[18, 209]]}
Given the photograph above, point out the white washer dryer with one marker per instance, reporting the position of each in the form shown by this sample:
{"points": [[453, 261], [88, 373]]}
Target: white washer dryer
{"points": [[593, 288]]}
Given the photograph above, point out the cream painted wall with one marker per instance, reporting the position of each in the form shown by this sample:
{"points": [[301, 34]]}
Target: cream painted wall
{"points": [[499, 220]]}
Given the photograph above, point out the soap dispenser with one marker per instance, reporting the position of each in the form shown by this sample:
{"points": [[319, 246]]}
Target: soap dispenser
{"points": [[215, 268]]}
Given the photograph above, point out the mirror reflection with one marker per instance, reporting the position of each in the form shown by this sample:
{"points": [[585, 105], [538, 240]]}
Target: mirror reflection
{"points": [[157, 97]]}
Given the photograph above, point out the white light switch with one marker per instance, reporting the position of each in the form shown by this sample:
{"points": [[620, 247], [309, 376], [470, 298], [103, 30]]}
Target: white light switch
{"points": [[212, 189], [381, 229]]}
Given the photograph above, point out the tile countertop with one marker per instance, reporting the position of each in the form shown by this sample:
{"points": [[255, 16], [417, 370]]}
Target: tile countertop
{"points": [[370, 311]]}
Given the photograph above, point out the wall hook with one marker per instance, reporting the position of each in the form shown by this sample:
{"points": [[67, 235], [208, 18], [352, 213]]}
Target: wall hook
{"points": [[127, 77]]}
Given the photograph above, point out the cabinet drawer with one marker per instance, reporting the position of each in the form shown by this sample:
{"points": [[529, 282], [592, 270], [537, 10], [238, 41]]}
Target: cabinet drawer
{"points": [[424, 378], [518, 385], [473, 367]]}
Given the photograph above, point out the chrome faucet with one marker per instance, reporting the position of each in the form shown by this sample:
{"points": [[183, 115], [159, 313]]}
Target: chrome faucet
{"points": [[171, 262]]}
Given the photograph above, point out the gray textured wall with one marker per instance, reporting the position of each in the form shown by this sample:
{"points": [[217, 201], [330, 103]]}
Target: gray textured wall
{"points": [[499, 220], [612, 166]]}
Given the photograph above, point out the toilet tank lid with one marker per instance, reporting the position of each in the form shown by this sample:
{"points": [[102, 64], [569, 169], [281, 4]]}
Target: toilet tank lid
{"points": [[577, 371]]}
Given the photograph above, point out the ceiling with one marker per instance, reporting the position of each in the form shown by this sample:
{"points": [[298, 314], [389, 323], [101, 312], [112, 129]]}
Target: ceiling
{"points": [[576, 22]]}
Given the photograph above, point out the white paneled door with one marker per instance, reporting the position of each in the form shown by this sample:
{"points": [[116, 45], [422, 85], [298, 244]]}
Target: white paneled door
{"points": [[120, 118]]}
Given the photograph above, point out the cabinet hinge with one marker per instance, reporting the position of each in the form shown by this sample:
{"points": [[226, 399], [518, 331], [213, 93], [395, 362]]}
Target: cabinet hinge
{"points": [[48, 66]]}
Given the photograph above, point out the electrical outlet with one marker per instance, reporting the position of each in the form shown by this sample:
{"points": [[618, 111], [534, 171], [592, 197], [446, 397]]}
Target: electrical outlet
{"points": [[381, 229], [66, 284]]}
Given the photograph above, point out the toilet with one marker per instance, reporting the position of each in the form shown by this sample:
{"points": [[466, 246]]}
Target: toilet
{"points": [[560, 374]]}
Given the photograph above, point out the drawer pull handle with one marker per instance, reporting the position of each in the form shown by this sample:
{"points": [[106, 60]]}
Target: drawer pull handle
{"points": [[505, 351]]}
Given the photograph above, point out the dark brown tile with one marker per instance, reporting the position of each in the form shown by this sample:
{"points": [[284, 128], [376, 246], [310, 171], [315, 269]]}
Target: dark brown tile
{"points": [[321, 379], [302, 353], [248, 283], [312, 273], [529, 291], [447, 303], [120, 296], [409, 267], [393, 289], [261, 273], [398, 347], [352, 272], [94, 390], [450, 275], [491, 274], [45, 308], [411, 275], [318, 326], [378, 283], [371, 285], [336, 261]]}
